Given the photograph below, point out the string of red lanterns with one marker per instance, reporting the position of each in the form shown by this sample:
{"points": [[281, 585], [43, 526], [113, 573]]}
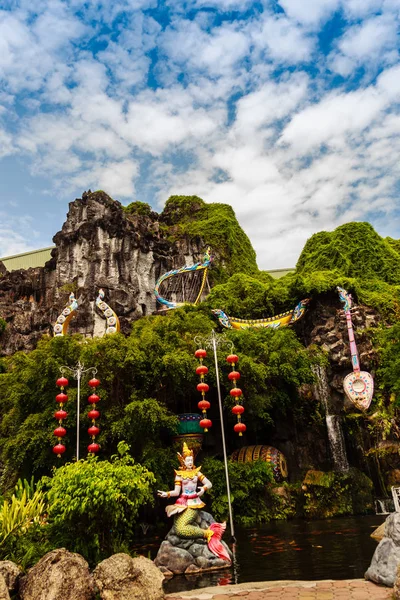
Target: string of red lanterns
{"points": [[236, 394], [60, 415], [203, 387], [93, 414]]}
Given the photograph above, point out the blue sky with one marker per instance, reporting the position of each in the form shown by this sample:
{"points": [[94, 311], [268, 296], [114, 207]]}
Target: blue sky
{"points": [[288, 110]]}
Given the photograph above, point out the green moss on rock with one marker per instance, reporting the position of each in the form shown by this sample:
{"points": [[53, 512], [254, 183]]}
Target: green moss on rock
{"points": [[216, 225], [138, 208], [354, 250]]}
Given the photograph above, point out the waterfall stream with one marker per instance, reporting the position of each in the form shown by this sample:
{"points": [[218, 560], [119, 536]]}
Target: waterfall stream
{"points": [[333, 422]]}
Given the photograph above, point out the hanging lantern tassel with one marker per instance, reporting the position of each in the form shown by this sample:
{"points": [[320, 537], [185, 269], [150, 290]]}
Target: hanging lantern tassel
{"points": [[60, 415], [203, 387], [236, 394], [93, 414]]}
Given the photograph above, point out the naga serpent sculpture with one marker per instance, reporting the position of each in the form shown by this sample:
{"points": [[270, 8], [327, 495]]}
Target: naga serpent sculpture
{"points": [[358, 385], [200, 266], [113, 325], [282, 320], [61, 326]]}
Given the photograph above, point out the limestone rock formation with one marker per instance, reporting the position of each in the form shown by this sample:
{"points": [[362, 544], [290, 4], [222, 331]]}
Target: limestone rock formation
{"points": [[100, 245], [180, 555], [121, 577], [11, 574], [386, 558], [58, 575]]}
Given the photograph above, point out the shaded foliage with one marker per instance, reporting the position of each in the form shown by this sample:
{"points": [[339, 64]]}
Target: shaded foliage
{"points": [[146, 379]]}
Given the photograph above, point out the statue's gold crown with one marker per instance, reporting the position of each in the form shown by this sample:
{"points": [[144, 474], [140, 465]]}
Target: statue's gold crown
{"points": [[185, 453]]}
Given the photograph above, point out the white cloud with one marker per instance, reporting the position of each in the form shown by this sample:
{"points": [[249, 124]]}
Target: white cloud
{"points": [[371, 43], [309, 12], [240, 110], [283, 40]]}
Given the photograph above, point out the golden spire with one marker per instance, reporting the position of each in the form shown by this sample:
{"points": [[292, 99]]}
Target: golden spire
{"points": [[185, 453]]}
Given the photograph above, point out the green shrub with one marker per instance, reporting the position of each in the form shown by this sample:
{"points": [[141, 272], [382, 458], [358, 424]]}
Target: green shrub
{"points": [[252, 493], [334, 494], [93, 504]]}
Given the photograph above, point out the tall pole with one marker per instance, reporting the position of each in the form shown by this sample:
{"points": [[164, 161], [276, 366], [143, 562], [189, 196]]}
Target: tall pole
{"points": [[228, 490], [214, 341], [77, 372], [78, 408]]}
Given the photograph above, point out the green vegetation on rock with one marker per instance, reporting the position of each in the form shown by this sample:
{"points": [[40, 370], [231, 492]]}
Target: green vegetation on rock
{"points": [[353, 256], [138, 208], [217, 226]]}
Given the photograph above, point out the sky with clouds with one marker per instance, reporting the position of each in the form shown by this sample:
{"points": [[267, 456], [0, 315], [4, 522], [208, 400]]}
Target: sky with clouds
{"points": [[289, 110]]}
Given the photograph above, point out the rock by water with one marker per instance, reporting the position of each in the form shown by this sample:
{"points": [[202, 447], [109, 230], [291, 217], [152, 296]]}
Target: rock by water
{"points": [[181, 555]]}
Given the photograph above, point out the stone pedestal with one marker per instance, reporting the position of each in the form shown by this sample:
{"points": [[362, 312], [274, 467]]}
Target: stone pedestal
{"points": [[181, 555]]}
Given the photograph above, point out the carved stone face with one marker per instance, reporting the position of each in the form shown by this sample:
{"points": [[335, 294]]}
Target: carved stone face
{"points": [[189, 462]]}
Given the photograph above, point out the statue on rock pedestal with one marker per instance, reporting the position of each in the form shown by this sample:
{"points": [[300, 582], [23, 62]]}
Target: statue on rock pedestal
{"points": [[194, 542]]}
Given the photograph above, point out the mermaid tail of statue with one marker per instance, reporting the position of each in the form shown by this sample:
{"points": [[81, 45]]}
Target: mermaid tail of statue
{"points": [[214, 544], [185, 527]]}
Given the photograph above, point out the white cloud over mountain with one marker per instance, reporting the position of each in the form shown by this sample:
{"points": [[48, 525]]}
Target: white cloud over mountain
{"points": [[296, 127]]}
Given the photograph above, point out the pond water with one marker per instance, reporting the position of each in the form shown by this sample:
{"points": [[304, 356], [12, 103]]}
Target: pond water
{"points": [[305, 550]]}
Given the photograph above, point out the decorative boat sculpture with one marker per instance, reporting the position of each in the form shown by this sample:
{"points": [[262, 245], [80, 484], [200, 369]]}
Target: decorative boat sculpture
{"points": [[282, 320], [180, 285], [358, 385], [61, 325], [268, 454], [113, 325]]}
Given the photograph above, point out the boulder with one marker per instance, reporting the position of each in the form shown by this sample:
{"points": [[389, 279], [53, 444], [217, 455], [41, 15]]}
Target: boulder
{"points": [[181, 555], [59, 575], [379, 533], [396, 589], [11, 573], [4, 595], [386, 558], [121, 577]]}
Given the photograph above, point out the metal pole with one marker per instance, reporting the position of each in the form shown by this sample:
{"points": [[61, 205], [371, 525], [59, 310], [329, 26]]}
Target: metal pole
{"points": [[77, 373], [223, 436], [78, 408]]}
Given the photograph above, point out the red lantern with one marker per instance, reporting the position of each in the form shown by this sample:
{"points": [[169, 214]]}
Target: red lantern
{"points": [[203, 387], [59, 449], [93, 448], [202, 370], [93, 414], [240, 428], [93, 430], [235, 392], [233, 375], [61, 397], [205, 424], [204, 405], [60, 432], [60, 415], [232, 359]]}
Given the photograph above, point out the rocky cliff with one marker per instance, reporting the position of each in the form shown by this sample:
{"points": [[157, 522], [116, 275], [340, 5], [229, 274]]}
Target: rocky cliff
{"points": [[105, 245]]}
